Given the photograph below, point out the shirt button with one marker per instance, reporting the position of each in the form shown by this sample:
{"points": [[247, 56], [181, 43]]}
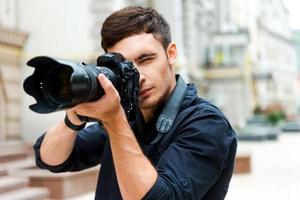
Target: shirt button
{"points": [[184, 183]]}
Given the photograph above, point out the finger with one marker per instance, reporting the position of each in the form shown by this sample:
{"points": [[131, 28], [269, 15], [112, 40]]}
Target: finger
{"points": [[106, 84]]}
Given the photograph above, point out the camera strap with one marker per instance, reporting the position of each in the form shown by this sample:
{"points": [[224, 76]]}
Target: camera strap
{"points": [[169, 113], [167, 116]]}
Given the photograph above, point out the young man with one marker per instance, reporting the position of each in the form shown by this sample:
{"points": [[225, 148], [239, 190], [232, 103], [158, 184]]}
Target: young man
{"points": [[190, 146]]}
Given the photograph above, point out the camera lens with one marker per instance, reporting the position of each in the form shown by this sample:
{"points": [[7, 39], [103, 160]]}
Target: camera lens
{"points": [[58, 84], [58, 88]]}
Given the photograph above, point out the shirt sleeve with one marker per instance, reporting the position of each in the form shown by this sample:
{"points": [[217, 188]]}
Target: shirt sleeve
{"points": [[87, 150], [193, 163]]}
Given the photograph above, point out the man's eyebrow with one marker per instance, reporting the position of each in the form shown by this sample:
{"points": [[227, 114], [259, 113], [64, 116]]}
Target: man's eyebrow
{"points": [[145, 55]]}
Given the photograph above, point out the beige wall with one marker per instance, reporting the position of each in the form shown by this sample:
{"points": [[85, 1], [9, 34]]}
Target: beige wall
{"points": [[10, 93], [2, 111], [11, 44]]}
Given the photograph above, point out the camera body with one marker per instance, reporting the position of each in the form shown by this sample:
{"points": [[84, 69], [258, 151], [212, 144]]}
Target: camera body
{"points": [[58, 84]]}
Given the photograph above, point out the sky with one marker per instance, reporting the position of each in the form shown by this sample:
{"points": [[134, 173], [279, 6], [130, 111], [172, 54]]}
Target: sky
{"points": [[293, 6]]}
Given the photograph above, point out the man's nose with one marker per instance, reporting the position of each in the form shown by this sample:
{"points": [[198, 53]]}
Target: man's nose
{"points": [[142, 78]]}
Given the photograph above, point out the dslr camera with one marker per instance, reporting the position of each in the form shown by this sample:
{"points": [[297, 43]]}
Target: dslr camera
{"points": [[58, 84]]}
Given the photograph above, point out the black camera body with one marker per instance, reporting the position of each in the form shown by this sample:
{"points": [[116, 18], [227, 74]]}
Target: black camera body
{"points": [[58, 84]]}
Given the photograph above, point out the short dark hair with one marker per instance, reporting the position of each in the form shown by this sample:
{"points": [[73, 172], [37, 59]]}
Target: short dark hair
{"points": [[131, 21]]}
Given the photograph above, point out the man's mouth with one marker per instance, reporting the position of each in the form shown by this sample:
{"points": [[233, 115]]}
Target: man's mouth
{"points": [[145, 92]]}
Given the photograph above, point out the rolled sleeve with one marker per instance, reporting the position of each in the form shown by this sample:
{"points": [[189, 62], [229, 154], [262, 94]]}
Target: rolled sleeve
{"points": [[65, 166], [158, 191], [86, 153]]}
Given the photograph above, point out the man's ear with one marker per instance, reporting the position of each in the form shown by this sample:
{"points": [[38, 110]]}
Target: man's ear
{"points": [[172, 53]]}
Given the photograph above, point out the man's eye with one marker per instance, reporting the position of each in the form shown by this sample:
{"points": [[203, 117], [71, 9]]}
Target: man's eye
{"points": [[144, 60]]}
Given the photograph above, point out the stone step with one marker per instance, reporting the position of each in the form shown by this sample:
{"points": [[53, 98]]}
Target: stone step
{"points": [[27, 193], [62, 185], [25, 163], [8, 183], [14, 150], [3, 172]]}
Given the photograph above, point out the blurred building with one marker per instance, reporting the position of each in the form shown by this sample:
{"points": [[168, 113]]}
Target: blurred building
{"points": [[296, 39], [251, 60], [12, 41], [199, 25], [275, 73], [239, 53]]}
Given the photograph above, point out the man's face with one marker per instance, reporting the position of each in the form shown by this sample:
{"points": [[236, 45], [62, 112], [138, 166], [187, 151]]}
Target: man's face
{"points": [[155, 65]]}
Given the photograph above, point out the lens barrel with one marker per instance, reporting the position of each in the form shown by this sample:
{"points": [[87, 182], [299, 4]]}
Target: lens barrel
{"points": [[58, 84]]}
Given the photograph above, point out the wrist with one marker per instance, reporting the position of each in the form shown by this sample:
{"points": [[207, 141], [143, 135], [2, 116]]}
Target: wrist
{"points": [[73, 117], [115, 119], [71, 125]]}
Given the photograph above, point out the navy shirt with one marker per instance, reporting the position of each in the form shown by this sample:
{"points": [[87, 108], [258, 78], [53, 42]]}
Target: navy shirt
{"points": [[194, 158]]}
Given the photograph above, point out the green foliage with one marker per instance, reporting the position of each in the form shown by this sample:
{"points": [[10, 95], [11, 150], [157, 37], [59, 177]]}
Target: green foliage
{"points": [[275, 117]]}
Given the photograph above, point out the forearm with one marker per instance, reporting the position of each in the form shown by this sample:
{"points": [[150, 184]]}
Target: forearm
{"points": [[57, 145], [135, 173]]}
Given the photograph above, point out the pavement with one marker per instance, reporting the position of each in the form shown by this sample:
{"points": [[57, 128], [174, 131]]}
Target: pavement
{"points": [[275, 171]]}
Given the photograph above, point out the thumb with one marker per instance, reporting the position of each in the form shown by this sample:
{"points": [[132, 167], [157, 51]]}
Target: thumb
{"points": [[106, 84]]}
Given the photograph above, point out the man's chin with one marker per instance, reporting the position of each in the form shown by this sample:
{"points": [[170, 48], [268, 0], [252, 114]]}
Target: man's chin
{"points": [[146, 105]]}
